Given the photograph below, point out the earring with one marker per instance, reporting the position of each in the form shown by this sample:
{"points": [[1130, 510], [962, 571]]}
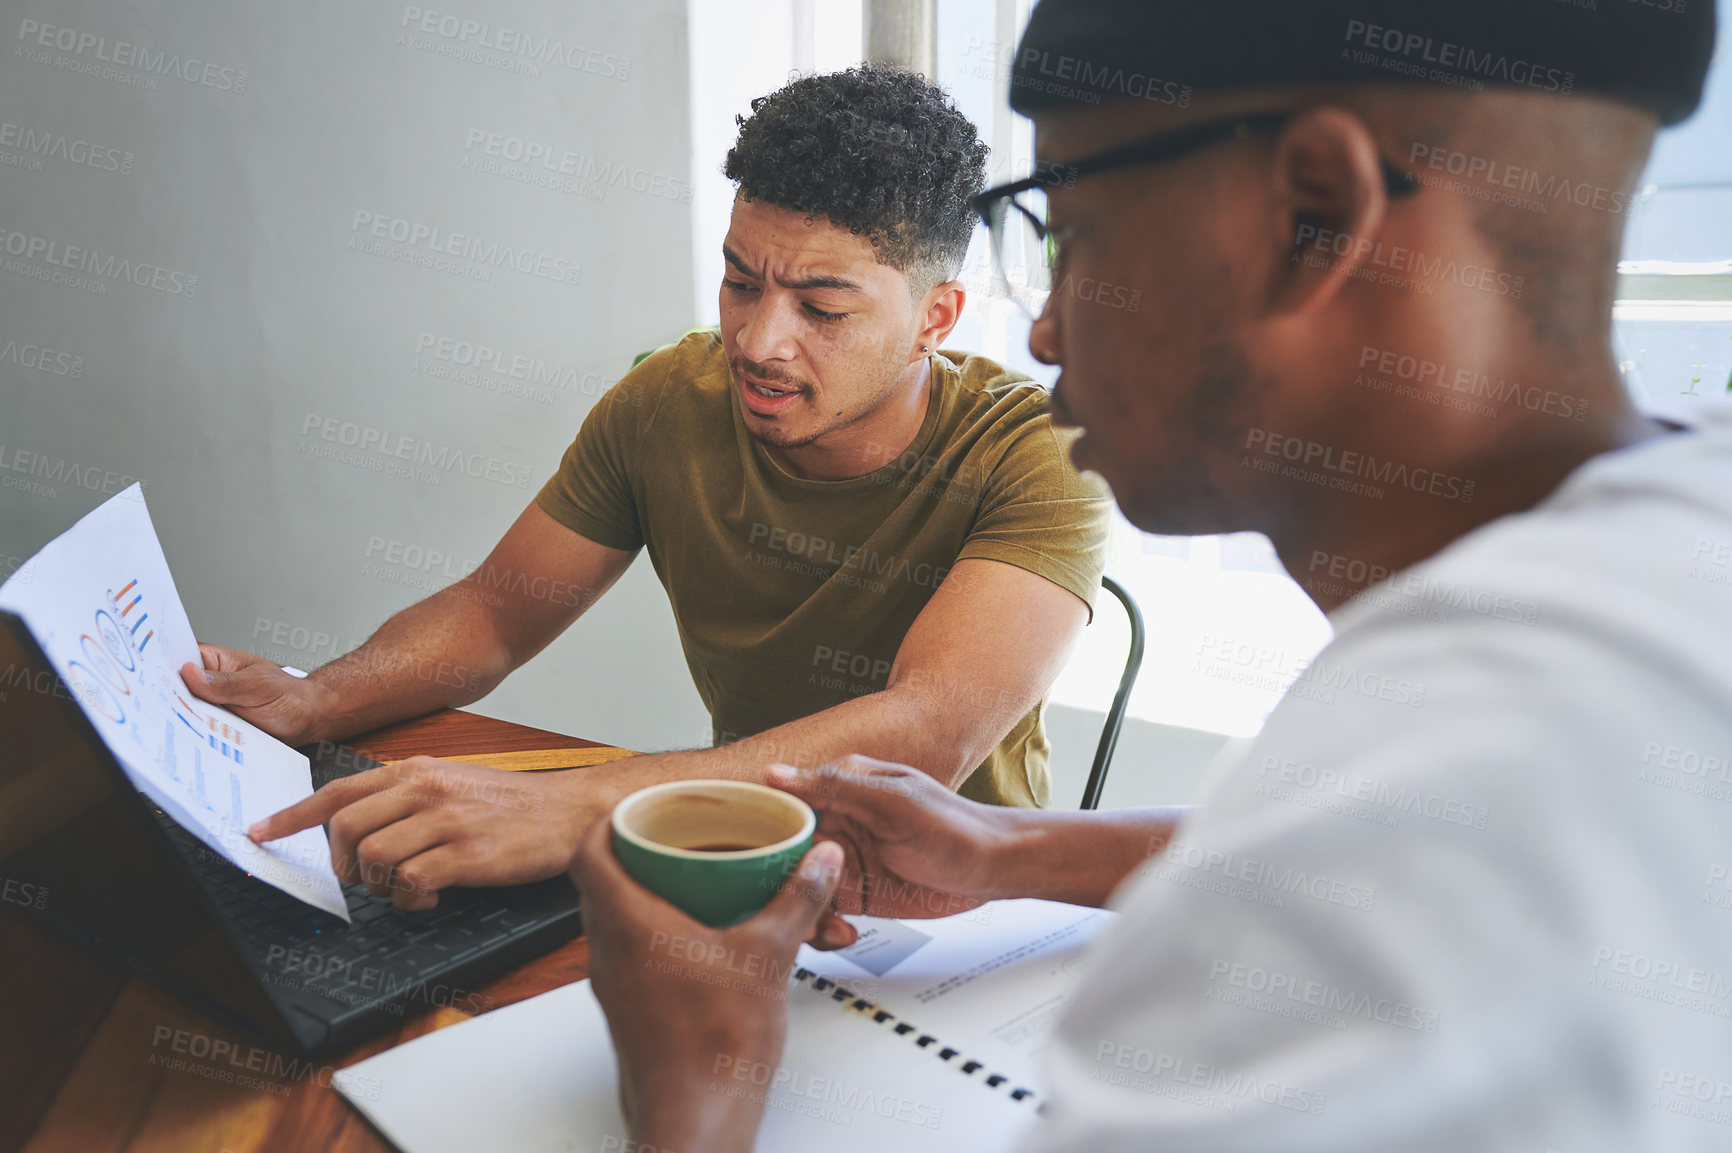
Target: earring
{"points": [[924, 349]]}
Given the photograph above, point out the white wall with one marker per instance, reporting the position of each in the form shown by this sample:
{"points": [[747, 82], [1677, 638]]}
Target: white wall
{"points": [[245, 145]]}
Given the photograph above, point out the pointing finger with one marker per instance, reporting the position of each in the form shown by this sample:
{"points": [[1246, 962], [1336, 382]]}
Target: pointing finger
{"points": [[324, 804]]}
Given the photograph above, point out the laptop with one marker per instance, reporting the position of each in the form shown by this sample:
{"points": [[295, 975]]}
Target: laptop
{"points": [[111, 871]]}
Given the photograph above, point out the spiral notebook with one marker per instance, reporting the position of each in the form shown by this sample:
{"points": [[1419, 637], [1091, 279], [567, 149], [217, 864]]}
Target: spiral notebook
{"points": [[925, 1033]]}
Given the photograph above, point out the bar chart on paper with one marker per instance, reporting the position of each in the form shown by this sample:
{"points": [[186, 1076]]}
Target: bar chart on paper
{"points": [[103, 606], [110, 675]]}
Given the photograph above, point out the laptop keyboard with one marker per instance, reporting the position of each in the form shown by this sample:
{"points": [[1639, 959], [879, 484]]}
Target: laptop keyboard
{"points": [[383, 950]]}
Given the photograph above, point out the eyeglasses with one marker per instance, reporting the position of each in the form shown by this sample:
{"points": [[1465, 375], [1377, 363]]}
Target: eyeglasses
{"points": [[1025, 252]]}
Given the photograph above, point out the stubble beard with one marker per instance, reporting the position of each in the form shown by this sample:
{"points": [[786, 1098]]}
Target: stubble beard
{"points": [[774, 436]]}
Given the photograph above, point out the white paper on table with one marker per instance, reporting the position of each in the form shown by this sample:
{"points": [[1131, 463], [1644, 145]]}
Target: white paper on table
{"points": [[101, 603], [540, 1077], [990, 981]]}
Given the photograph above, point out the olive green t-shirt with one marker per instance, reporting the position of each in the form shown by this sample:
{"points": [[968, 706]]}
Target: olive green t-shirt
{"points": [[793, 596]]}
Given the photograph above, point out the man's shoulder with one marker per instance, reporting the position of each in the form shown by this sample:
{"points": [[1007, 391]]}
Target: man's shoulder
{"points": [[985, 387], [1631, 555], [1567, 627], [1000, 413]]}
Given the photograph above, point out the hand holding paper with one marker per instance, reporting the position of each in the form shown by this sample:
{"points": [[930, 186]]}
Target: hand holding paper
{"points": [[256, 689], [104, 608]]}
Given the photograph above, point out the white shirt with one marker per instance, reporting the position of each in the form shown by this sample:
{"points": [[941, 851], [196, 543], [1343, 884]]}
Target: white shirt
{"points": [[1471, 888]]}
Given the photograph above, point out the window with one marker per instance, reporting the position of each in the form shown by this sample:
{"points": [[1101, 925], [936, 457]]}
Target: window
{"points": [[1673, 320]]}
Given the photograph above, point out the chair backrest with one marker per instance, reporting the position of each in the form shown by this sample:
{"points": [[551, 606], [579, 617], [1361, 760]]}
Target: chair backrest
{"points": [[1115, 719]]}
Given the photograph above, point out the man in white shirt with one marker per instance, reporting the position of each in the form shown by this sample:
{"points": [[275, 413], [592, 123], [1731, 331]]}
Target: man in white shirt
{"points": [[1471, 888]]}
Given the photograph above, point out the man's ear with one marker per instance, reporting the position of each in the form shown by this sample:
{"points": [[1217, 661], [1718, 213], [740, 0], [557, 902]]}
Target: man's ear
{"points": [[943, 308], [1330, 203]]}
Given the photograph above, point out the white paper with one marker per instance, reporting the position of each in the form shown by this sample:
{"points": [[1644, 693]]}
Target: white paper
{"points": [[990, 982], [534, 1077], [101, 603], [539, 1077]]}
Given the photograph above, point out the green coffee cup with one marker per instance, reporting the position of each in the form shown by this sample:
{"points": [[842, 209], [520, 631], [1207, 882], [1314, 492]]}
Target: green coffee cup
{"points": [[719, 850]]}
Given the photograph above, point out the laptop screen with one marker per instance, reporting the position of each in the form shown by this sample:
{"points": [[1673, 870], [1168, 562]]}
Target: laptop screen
{"points": [[86, 843]]}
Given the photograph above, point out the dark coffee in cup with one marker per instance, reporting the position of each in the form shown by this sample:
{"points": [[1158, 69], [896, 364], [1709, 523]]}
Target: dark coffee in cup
{"points": [[717, 849]]}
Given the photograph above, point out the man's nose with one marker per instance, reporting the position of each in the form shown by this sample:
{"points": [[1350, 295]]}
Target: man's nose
{"points": [[1043, 338], [768, 333]]}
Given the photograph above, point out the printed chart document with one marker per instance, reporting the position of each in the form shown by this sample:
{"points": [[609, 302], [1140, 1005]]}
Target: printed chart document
{"points": [[100, 602], [539, 1076]]}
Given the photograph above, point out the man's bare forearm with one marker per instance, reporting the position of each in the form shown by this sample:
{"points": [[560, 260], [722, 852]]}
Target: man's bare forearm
{"points": [[890, 726], [440, 652], [1080, 857], [456, 645]]}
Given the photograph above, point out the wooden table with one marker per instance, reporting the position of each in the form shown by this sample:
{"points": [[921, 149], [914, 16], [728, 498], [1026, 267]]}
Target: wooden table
{"points": [[76, 1037]]}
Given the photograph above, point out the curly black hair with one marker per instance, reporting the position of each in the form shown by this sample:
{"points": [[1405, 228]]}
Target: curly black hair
{"points": [[877, 150]]}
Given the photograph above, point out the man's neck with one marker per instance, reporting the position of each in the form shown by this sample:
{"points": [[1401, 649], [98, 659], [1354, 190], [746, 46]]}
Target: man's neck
{"points": [[869, 443], [1337, 556]]}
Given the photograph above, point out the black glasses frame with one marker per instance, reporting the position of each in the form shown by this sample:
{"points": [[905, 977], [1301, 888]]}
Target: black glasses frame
{"points": [[1156, 149]]}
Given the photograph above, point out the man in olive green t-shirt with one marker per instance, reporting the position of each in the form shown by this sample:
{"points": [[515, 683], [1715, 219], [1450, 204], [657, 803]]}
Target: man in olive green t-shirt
{"points": [[794, 595], [869, 547]]}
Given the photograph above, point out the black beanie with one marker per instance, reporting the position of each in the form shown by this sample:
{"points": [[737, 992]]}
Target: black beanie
{"points": [[1650, 53]]}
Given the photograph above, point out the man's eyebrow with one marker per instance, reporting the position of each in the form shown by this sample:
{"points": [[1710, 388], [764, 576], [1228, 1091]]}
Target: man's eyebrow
{"points": [[738, 262], [831, 283]]}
